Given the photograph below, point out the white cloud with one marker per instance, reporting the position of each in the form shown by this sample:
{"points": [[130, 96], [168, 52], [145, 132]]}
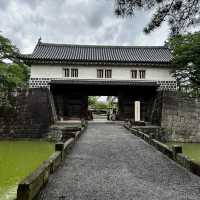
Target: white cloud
{"points": [[78, 21]]}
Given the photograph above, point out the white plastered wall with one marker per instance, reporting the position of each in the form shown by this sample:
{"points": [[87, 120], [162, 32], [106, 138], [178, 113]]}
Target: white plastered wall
{"points": [[90, 72]]}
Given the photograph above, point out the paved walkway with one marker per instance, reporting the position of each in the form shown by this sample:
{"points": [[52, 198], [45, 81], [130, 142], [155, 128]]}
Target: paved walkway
{"points": [[109, 163]]}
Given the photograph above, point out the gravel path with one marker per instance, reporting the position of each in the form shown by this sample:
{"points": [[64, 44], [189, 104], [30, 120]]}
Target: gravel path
{"points": [[110, 163]]}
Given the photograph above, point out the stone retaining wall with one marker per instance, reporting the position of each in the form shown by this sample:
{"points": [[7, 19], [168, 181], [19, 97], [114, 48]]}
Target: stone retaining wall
{"points": [[180, 117], [154, 131], [30, 117]]}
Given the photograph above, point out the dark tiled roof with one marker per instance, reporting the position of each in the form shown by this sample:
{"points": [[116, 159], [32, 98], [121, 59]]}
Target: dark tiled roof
{"points": [[104, 82], [91, 53]]}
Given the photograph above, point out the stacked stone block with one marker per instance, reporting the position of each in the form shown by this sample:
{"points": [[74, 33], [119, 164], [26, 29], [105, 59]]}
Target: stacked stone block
{"points": [[29, 117], [181, 117]]}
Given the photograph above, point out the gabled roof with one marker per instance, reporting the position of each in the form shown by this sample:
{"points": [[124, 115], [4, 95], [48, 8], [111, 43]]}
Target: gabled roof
{"points": [[63, 53]]}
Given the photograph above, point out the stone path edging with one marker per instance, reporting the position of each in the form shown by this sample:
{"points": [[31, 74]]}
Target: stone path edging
{"points": [[173, 154], [32, 184]]}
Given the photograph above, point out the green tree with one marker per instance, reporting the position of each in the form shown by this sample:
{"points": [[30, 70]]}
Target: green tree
{"points": [[186, 59], [101, 105], [13, 73], [92, 101], [8, 50], [110, 101], [12, 76], [180, 14]]}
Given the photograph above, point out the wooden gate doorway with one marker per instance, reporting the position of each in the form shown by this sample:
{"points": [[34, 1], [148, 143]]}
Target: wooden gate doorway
{"points": [[71, 97]]}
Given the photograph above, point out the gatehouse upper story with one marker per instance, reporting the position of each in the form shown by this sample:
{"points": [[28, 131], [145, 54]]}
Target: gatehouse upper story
{"points": [[51, 62]]}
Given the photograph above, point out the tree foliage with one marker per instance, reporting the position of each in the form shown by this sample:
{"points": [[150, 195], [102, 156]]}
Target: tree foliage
{"points": [[186, 58], [94, 102], [13, 73], [8, 50], [101, 105], [111, 100], [180, 14], [12, 76]]}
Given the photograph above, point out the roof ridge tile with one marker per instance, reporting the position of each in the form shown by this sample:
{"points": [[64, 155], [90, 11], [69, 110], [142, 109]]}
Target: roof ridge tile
{"points": [[102, 46]]}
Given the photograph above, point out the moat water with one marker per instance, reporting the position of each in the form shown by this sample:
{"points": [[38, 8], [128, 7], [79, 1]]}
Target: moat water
{"points": [[192, 150], [17, 160]]}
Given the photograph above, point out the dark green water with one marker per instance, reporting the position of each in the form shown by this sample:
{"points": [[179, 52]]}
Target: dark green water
{"points": [[17, 160], [192, 150]]}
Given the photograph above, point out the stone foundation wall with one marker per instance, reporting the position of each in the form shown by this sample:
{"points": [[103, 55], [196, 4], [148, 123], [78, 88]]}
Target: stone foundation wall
{"points": [[156, 113], [30, 117], [180, 117]]}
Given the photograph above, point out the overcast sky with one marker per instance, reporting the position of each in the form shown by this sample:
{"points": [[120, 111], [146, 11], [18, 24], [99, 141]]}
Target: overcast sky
{"points": [[73, 21]]}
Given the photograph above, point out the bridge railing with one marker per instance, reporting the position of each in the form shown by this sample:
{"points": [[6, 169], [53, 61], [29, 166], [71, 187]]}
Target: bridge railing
{"points": [[175, 153]]}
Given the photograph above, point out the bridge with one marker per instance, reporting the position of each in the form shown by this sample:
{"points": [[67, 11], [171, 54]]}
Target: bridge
{"points": [[108, 162]]}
